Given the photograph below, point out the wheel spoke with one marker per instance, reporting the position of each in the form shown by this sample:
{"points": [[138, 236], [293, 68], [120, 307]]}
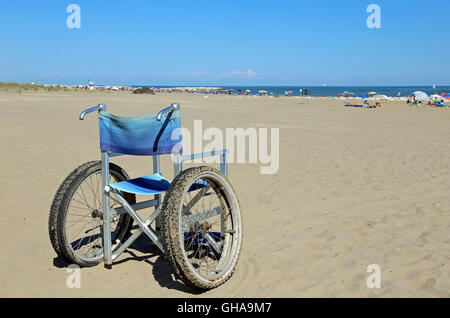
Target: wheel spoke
{"points": [[197, 197]]}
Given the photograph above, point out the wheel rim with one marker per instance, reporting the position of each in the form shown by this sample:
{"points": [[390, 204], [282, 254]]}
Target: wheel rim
{"points": [[84, 222], [209, 242]]}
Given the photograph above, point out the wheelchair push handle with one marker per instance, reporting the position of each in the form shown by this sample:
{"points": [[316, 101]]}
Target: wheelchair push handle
{"points": [[99, 107], [172, 107], [102, 107]]}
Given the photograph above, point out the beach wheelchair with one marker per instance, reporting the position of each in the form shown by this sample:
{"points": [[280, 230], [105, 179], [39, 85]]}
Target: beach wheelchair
{"points": [[197, 225]]}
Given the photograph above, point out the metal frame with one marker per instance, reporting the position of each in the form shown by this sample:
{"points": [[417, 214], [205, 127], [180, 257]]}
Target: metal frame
{"points": [[112, 194]]}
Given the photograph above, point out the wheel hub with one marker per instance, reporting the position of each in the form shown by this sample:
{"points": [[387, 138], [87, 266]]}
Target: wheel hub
{"points": [[206, 226], [200, 226], [96, 214]]}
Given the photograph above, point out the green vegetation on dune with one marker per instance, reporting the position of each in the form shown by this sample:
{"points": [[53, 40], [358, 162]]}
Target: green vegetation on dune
{"points": [[25, 87], [46, 88], [144, 90]]}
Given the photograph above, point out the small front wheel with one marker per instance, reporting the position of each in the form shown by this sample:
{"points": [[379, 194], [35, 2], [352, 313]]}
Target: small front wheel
{"points": [[202, 227], [76, 215]]}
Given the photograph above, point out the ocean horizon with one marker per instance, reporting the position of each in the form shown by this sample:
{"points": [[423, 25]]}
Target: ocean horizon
{"points": [[326, 91]]}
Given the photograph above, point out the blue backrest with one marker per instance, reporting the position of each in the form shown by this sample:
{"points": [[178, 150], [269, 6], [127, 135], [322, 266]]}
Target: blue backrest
{"points": [[140, 136]]}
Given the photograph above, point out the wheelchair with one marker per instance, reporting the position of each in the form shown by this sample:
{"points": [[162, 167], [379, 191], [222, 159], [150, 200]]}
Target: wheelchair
{"points": [[197, 225]]}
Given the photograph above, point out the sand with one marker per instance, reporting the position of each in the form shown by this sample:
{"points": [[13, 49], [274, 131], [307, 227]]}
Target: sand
{"points": [[355, 187]]}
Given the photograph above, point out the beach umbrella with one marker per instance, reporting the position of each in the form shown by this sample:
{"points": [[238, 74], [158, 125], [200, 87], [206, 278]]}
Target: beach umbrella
{"points": [[380, 96], [420, 95], [446, 96], [248, 91], [262, 91], [435, 96], [372, 93]]}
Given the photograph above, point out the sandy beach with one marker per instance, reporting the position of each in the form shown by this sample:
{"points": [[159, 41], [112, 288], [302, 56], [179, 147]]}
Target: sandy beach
{"points": [[355, 187]]}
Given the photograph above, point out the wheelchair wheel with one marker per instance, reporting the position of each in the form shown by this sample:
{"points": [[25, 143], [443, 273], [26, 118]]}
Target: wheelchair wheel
{"points": [[202, 227], [75, 221]]}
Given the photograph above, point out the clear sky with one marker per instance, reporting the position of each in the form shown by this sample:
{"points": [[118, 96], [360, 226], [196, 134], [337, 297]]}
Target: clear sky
{"points": [[213, 42]]}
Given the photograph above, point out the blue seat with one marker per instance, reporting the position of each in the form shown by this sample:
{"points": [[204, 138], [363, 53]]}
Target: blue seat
{"points": [[142, 136], [151, 184]]}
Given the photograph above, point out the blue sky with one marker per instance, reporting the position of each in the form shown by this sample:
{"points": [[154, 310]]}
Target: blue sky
{"points": [[230, 42]]}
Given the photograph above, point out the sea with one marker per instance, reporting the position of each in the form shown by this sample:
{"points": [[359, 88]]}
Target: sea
{"points": [[332, 91]]}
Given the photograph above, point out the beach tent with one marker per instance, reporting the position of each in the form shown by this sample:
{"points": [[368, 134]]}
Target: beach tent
{"points": [[436, 98], [433, 97], [420, 95]]}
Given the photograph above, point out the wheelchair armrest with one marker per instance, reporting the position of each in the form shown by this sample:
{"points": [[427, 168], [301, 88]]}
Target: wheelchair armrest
{"points": [[213, 153], [223, 153]]}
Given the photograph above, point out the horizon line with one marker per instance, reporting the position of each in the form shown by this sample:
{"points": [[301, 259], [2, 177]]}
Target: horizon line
{"points": [[237, 85]]}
